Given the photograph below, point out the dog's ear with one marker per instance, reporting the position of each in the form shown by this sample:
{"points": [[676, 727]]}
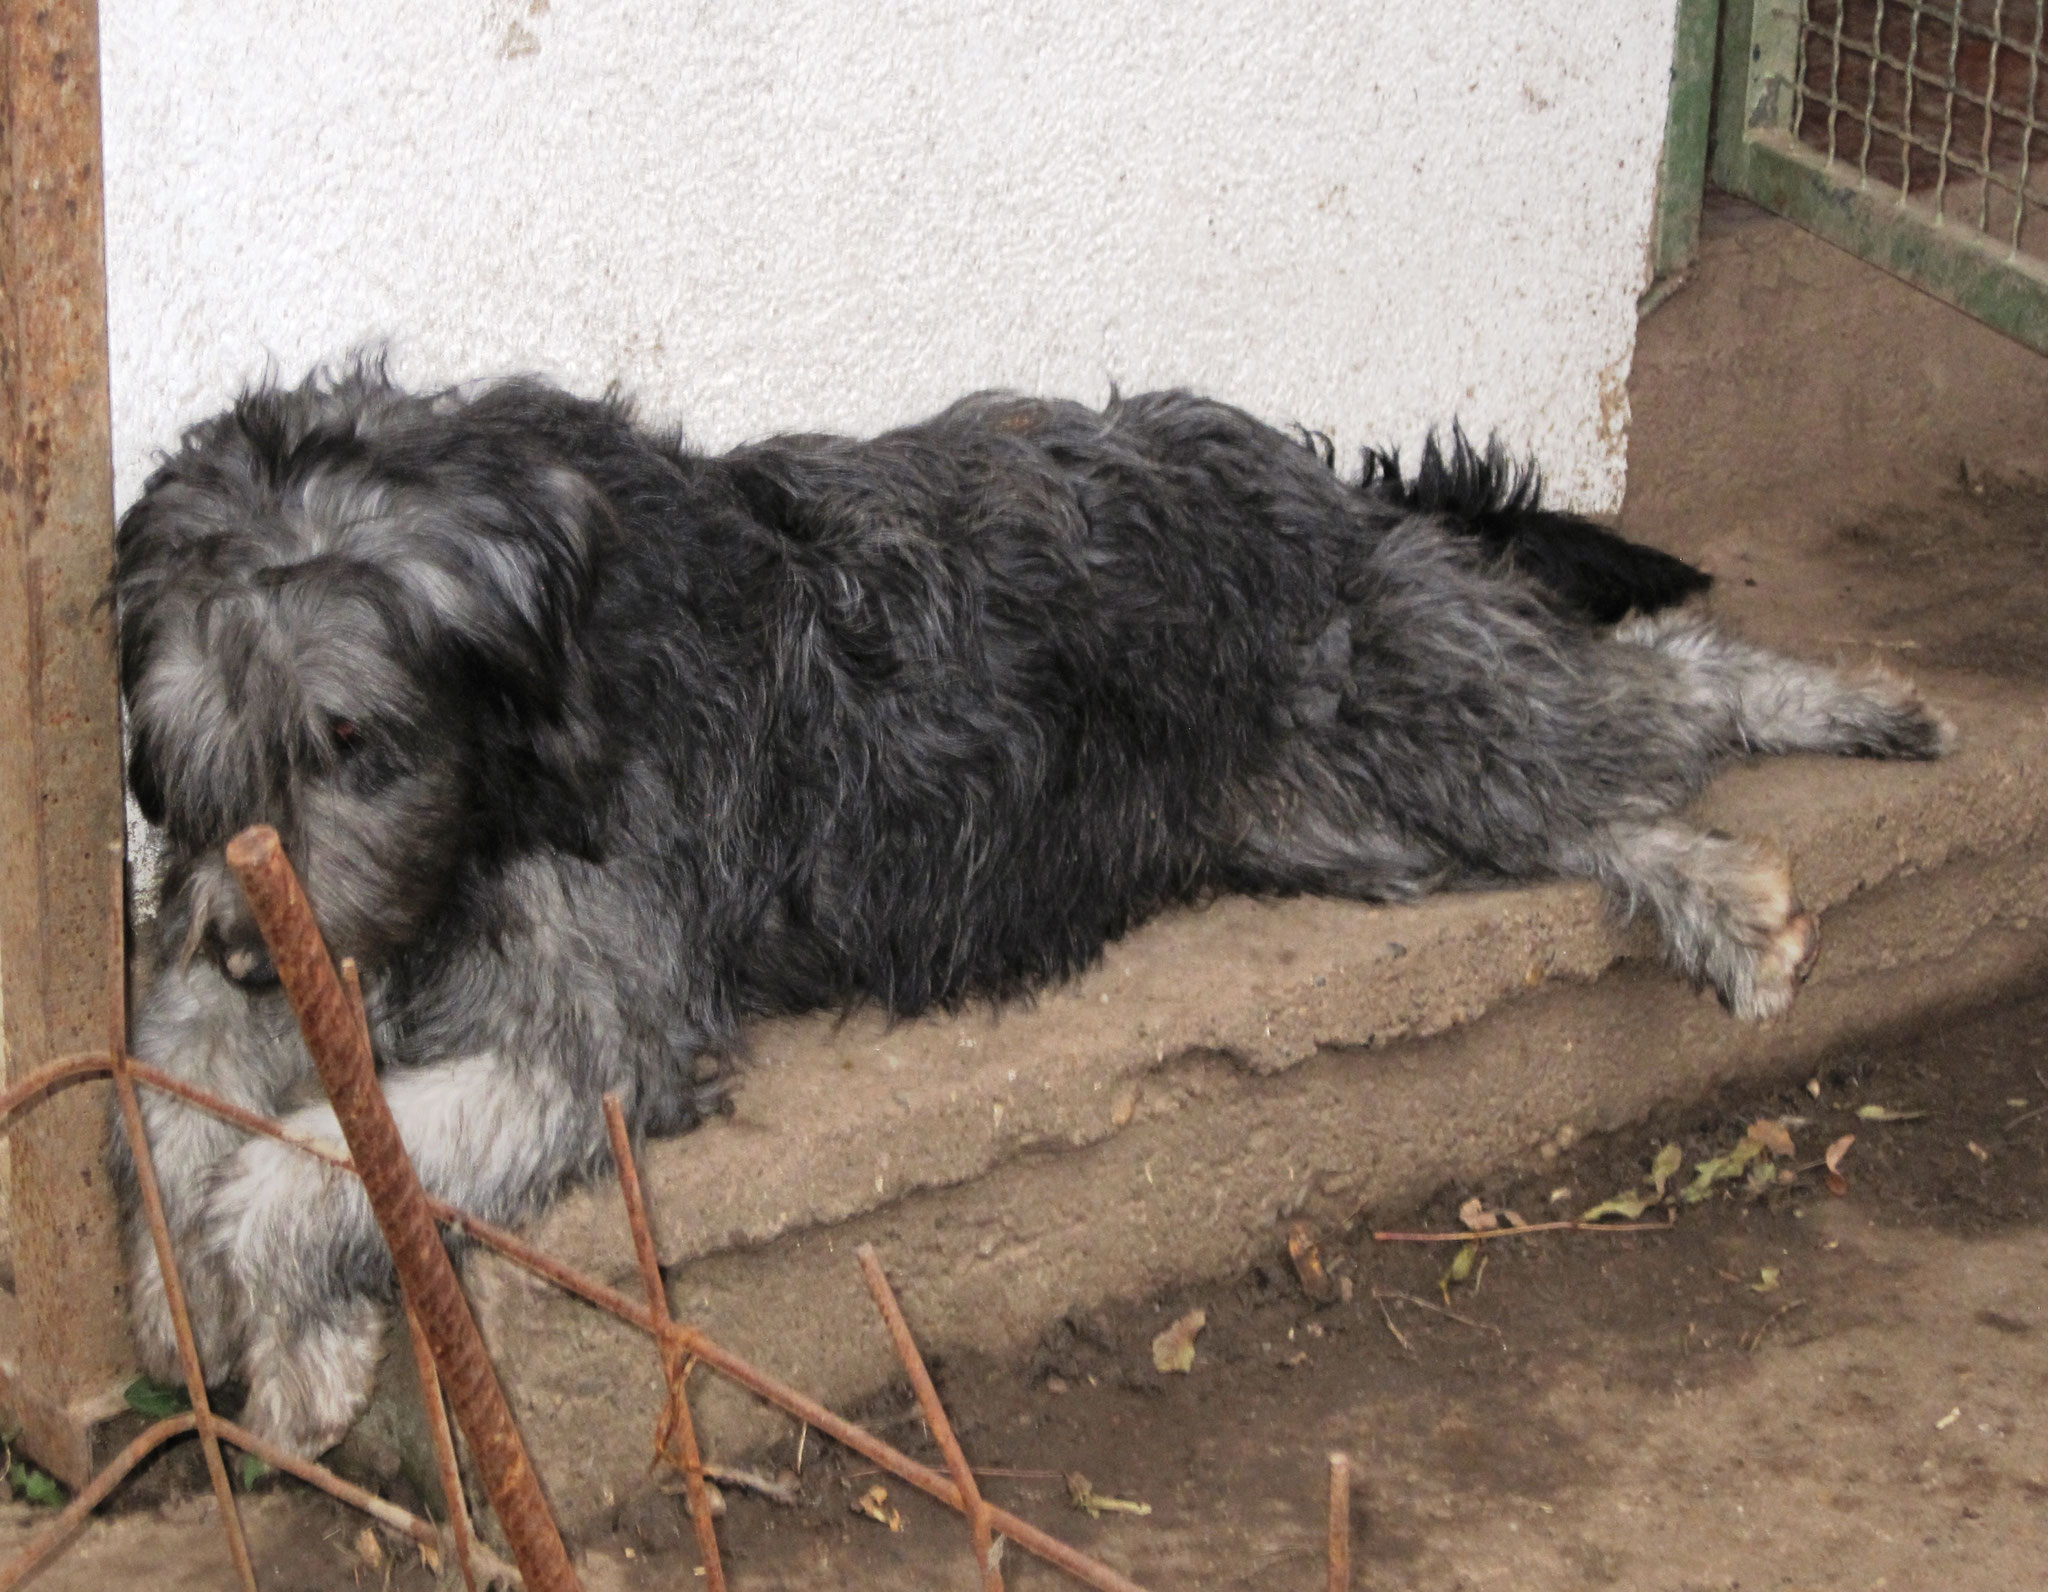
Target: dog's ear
{"points": [[144, 783], [509, 580], [136, 584], [547, 771]]}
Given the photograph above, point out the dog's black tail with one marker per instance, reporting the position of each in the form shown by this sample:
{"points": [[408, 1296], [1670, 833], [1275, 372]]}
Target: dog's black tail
{"points": [[1585, 569]]}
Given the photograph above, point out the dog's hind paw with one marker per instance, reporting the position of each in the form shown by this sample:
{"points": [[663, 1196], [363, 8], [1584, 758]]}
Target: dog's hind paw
{"points": [[1883, 716]]}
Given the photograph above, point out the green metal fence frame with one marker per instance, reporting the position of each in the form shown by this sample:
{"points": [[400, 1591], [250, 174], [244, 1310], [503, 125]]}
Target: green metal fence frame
{"points": [[1756, 156], [1682, 173]]}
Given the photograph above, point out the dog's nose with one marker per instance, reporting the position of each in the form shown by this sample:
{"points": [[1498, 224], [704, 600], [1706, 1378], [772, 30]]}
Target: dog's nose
{"points": [[249, 967], [244, 961]]}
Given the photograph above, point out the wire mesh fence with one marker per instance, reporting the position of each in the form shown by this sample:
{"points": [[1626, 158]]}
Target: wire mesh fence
{"points": [[1913, 133], [1942, 102]]}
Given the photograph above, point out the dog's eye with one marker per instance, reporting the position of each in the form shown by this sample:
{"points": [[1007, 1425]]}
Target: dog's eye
{"points": [[345, 735]]}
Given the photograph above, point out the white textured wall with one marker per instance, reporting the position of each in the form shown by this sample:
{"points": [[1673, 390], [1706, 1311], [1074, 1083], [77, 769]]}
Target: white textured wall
{"points": [[766, 214]]}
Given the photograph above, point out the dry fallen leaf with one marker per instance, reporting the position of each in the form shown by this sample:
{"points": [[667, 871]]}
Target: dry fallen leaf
{"points": [[1174, 1349], [1467, 1265], [369, 1549], [1084, 1496], [1887, 1114], [1773, 1135], [1721, 1168], [1474, 1214], [782, 1488], [1627, 1206], [1665, 1167], [1838, 1184], [1308, 1264], [874, 1503], [1767, 1281]]}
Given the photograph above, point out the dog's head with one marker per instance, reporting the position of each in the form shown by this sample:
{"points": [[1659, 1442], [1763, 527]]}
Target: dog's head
{"points": [[354, 614]]}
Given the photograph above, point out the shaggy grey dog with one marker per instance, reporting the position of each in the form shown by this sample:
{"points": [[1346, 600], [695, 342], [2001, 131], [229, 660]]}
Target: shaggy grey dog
{"points": [[589, 749]]}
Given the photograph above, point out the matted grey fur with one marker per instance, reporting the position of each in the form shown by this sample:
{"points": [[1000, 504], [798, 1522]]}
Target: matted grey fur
{"points": [[589, 749]]}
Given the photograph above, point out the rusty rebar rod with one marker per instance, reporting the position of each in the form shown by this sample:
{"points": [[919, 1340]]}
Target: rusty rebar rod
{"points": [[678, 1429], [1040, 1544], [424, 1532], [242, 1117], [614, 1303], [17, 1570], [160, 1237], [340, 1050], [935, 1417], [87, 1498], [1340, 1523], [48, 1076], [461, 1534]]}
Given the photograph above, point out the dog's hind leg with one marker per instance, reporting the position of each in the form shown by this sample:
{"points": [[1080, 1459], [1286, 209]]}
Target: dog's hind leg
{"points": [[1724, 906], [1773, 703], [297, 1238]]}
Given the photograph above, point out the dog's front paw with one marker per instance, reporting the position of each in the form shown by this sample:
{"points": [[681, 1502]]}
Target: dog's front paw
{"points": [[1778, 968], [209, 1306], [310, 1380]]}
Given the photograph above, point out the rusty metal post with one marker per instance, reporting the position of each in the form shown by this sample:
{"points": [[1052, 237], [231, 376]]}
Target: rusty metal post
{"points": [[63, 1352], [340, 1048]]}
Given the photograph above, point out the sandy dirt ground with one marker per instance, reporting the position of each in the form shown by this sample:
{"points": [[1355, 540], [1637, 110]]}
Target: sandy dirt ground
{"points": [[1787, 1388]]}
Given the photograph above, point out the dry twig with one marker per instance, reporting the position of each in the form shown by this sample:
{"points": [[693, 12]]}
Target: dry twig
{"points": [[1524, 1232], [1751, 1342], [1424, 1304], [1387, 1316], [1340, 1523]]}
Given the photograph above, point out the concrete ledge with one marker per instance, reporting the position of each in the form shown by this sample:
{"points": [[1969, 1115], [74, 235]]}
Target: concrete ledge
{"points": [[1227, 1068]]}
